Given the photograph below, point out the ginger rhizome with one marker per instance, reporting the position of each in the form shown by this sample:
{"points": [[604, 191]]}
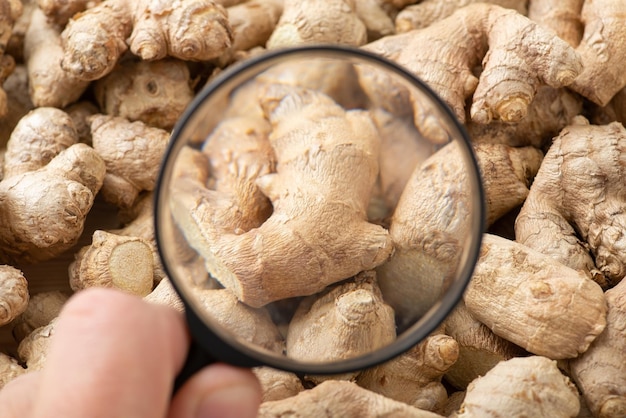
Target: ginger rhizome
{"points": [[516, 54], [14, 295], [9, 369], [42, 308], [311, 152], [579, 219], [95, 39], [10, 11]]}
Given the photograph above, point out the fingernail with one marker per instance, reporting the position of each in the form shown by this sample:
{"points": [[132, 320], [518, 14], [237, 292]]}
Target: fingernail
{"points": [[235, 401]]}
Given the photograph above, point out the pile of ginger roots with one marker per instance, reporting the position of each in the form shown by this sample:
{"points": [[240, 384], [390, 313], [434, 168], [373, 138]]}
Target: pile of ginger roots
{"points": [[92, 89]]}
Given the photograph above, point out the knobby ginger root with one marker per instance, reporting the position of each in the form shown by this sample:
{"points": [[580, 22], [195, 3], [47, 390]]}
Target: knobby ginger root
{"points": [[517, 57], [122, 262], [132, 152], [601, 50], [562, 16], [14, 294], [479, 348], [340, 399], [578, 219], [165, 294], [317, 21], [253, 22], [326, 163], [42, 308], [15, 45], [277, 384], [9, 369], [600, 372], [534, 301], [427, 12], [415, 376], [347, 320], [42, 212], [152, 29], [16, 88], [10, 11], [49, 84], [33, 350], [37, 138], [154, 92], [61, 11], [377, 16], [521, 387]]}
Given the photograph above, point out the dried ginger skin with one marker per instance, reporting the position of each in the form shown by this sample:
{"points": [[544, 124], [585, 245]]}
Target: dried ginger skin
{"points": [[318, 21], [95, 39], [562, 16], [258, 265], [521, 387], [277, 384], [14, 294], [9, 369], [340, 399], [600, 372], [71, 181], [575, 219], [534, 301], [517, 57], [602, 51]]}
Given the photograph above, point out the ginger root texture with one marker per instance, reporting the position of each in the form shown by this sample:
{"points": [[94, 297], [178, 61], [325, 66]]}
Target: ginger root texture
{"points": [[14, 295]]}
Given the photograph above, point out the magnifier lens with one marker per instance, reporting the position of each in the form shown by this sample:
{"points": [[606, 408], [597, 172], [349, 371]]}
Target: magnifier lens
{"points": [[319, 210]]}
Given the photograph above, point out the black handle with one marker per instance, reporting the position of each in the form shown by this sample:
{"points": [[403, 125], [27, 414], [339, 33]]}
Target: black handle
{"points": [[197, 358]]}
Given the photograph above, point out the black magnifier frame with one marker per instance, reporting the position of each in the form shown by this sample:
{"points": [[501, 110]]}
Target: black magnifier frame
{"points": [[207, 344]]}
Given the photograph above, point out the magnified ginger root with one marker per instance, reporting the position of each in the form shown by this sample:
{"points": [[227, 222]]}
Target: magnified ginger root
{"points": [[49, 84], [347, 320], [14, 294], [415, 376], [340, 399], [9, 369], [317, 21], [66, 188], [154, 92], [600, 372], [516, 54], [61, 11], [579, 219], [313, 138], [562, 16], [426, 12], [532, 300], [132, 152], [479, 348], [42, 308], [521, 387], [95, 39], [277, 384]]}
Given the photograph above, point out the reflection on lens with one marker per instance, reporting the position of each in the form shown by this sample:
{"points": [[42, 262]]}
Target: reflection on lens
{"points": [[326, 222]]}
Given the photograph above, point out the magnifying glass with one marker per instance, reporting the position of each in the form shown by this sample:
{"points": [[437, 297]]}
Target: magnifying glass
{"points": [[319, 210]]}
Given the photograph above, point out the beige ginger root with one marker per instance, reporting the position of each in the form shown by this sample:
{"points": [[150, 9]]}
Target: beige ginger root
{"points": [[253, 22], [340, 399], [600, 372], [61, 11], [95, 39], [415, 376], [154, 92], [578, 219], [42, 308], [33, 350], [562, 16], [516, 54], [10, 11], [426, 12], [14, 294], [42, 212], [532, 300], [479, 348], [318, 21], [49, 84], [9, 369], [521, 387], [165, 294], [348, 320], [311, 152], [277, 384], [132, 152]]}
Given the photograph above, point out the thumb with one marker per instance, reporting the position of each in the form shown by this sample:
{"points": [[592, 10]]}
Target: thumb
{"points": [[220, 391]]}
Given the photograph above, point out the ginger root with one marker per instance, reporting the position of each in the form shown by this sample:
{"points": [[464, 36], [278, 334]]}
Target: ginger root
{"points": [[562, 16], [277, 384], [534, 301], [9, 369], [42, 308], [95, 39], [579, 219], [14, 294], [33, 350], [521, 387], [600, 372]]}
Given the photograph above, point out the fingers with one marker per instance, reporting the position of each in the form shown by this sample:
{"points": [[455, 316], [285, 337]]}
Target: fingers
{"points": [[218, 391], [19, 396], [113, 355]]}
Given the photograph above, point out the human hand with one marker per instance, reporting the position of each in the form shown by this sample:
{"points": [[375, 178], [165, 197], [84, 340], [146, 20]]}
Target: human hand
{"points": [[116, 356]]}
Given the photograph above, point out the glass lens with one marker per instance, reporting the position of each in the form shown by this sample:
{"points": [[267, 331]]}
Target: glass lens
{"points": [[319, 209]]}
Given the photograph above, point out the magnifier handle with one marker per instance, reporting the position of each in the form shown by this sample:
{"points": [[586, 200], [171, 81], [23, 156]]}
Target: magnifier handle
{"points": [[197, 358]]}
